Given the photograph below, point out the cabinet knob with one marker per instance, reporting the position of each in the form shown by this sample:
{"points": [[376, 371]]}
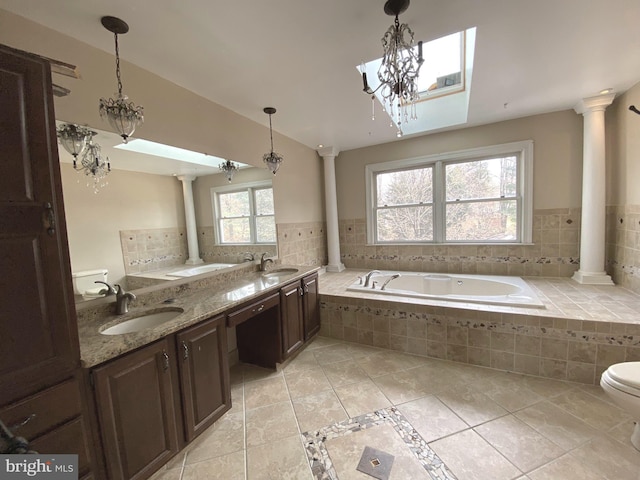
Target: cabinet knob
{"points": [[261, 307], [22, 423], [50, 220], [185, 350]]}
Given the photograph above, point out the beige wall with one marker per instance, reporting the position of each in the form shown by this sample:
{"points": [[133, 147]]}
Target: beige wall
{"points": [[131, 201], [557, 158], [173, 115]]}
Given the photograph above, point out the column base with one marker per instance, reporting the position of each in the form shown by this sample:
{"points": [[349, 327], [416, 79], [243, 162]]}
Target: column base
{"points": [[194, 261], [592, 278], [336, 268]]}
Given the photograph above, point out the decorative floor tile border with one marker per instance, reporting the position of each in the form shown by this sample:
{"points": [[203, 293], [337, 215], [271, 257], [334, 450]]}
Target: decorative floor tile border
{"points": [[322, 465]]}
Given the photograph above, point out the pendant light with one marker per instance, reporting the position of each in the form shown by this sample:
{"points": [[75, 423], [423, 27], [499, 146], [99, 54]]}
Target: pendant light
{"points": [[272, 159]]}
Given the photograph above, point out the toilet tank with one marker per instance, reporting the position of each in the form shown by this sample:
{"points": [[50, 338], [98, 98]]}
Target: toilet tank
{"points": [[84, 282]]}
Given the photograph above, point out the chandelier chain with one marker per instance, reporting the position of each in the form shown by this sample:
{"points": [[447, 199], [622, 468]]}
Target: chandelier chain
{"points": [[118, 66], [271, 132]]}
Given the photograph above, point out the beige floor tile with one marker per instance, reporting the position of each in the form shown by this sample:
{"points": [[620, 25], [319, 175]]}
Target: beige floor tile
{"points": [[223, 437], [471, 405], [609, 458], [166, 473], [236, 375], [546, 387], [227, 467], [431, 418], [344, 373], [357, 351], [521, 444], [332, 354], [307, 382], [470, 457], [270, 423], [622, 432], [360, 398], [304, 361], [564, 430], [265, 392], [237, 398], [401, 387], [320, 410], [435, 377], [590, 409], [251, 373], [385, 363], [508, 390], [282, 460], [321, 342], [346, 451], [565, 468]]}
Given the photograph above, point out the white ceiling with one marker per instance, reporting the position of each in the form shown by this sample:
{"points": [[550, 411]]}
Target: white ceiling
{"points": [[300, 56]]}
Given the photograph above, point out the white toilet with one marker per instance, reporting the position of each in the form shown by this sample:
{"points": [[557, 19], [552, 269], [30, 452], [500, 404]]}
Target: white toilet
{"points": [[84, 282], [622, 383]]}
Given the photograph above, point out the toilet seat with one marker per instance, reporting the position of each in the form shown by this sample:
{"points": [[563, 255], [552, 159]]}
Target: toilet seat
{"points": [[624, 377]]}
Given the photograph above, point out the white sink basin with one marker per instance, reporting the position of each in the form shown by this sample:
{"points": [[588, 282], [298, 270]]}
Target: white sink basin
{"points": [[142, 322], [280, 271]]}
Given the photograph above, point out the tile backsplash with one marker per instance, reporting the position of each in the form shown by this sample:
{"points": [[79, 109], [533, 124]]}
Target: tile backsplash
{"points": [[152, 249], [554, 253], [302, 243], [212, 253]]}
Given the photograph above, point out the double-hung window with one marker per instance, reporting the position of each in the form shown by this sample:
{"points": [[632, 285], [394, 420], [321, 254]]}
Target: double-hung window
{"points": [[244, 214], [482, 195]]}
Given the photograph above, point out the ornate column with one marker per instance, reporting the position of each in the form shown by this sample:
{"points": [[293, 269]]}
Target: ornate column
{"points": [[190, 218], [329, 155], [592, 230]]}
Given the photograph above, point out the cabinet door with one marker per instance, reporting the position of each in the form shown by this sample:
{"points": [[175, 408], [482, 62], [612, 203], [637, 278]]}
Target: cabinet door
{"points": [[292, 322], [311, 306], [204, 374], [38, 332], [134, 396]]}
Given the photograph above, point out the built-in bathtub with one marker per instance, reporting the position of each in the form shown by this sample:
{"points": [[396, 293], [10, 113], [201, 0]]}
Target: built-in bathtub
{"points": [[488, 289], [199, 269]]}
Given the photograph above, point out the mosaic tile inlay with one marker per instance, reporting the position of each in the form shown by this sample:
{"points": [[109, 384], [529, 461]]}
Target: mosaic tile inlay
{"points": [[320, 461]]}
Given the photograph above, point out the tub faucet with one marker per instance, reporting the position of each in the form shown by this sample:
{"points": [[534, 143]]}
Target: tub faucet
{"points": [[106, 291], [248, 257], [392, 277], [264, 261], [122, 300], [368, 277]]}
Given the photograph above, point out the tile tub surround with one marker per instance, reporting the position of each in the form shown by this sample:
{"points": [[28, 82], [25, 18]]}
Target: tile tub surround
{"points": [[555, 252], [623, 245], [153, 249], [302, 243], [481, 423], [581, 331]]}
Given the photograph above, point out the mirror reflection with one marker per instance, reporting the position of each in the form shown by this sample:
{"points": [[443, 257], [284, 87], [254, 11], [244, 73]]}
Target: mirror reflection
{"points": [[137, 227]]}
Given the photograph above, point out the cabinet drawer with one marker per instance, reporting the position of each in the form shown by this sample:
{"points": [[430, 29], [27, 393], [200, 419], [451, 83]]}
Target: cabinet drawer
{"points": [[253, 309], [69, 438], [45, 410]]}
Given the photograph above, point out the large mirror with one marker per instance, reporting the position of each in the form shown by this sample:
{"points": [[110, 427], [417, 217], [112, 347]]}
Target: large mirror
{"points": [[132, 222]]}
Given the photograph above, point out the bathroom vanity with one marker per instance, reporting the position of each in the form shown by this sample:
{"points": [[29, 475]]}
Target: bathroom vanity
{"points": [[157, 389]]}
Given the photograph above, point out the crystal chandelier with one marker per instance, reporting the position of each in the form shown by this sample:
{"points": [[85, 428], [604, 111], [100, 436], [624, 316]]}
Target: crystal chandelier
{"points": [[122, 115], [74, 139], [398, 73], [94, 166], [229, 168], [272, 159]]}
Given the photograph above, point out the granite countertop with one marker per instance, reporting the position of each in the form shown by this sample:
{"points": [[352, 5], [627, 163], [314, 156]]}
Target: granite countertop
{"points": [[198, 305]]}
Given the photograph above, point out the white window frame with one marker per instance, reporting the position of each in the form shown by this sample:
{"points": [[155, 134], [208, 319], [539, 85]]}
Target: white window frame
{"points": [[522, 150], [243, 187]]}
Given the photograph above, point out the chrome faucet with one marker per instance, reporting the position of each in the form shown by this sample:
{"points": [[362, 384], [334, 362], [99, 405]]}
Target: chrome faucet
{"points": [[264, 261], [122, 300], [368, 277], [389, 279], [106, 291]]}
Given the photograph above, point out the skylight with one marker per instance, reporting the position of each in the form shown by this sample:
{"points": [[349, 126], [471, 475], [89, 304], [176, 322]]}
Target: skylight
{"points": [[167, 151], [442, 67]]}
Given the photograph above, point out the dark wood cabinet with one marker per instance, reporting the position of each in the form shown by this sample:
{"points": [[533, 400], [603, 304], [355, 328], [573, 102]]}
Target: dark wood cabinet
{"points": [[310, 306], [204, 374], [41, 394], [292, 318], [135, 397], [38, 332]]}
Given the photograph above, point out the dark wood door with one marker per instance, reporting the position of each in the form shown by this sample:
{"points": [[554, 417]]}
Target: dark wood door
{"points": [[38, 333], [136, 408], [311, 307], [204, 374], [292, 322]]}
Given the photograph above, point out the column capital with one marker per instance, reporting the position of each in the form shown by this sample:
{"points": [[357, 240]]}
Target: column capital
{"points": [[328, 151], [594, 104], [186, 178]]}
